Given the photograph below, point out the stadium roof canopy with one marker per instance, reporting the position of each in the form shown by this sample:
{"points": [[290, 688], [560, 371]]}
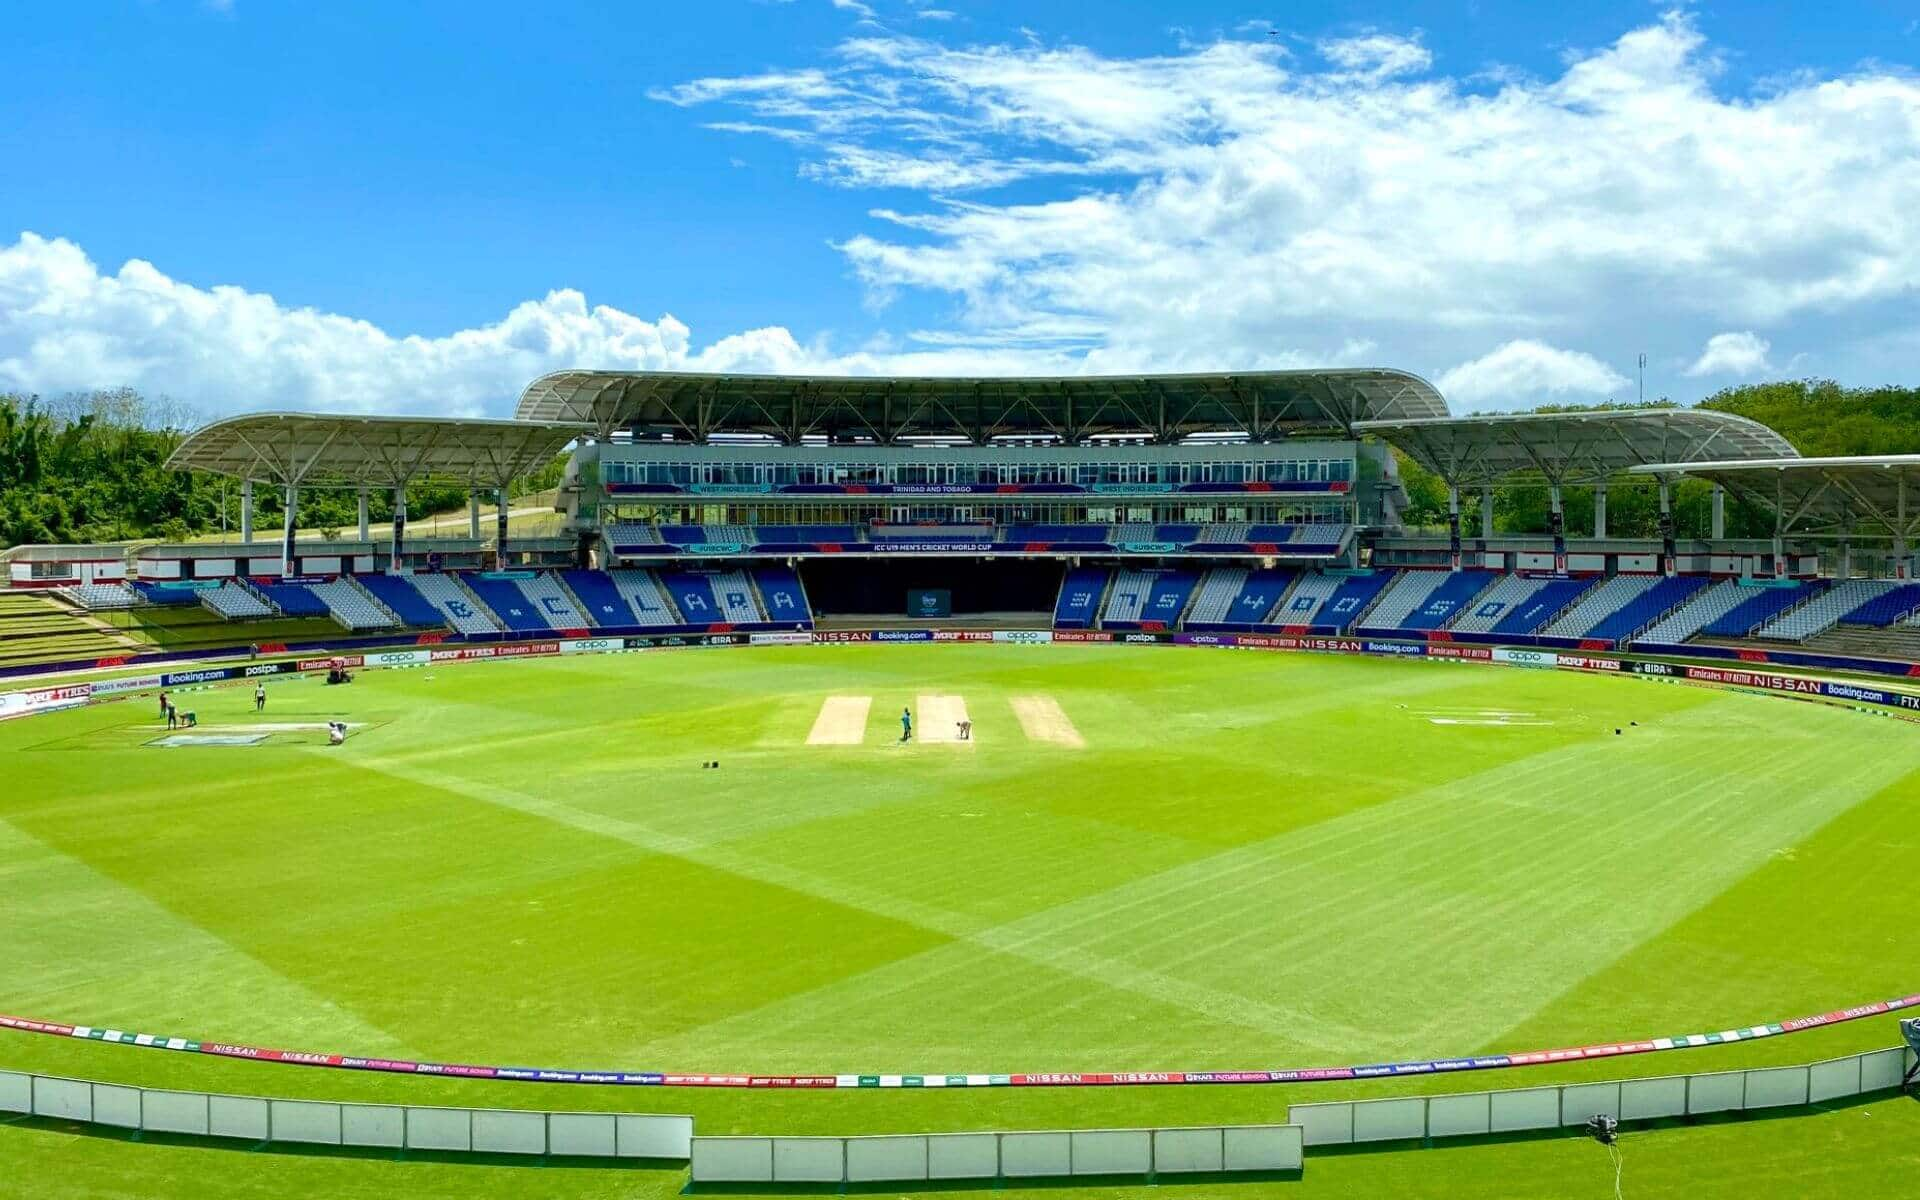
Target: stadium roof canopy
{"points": [[1574, 447], [316, 450], [1260, 404], [1878, 494]]}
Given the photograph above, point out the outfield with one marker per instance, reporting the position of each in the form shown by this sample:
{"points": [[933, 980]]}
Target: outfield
{"points": [[1145, 859]]}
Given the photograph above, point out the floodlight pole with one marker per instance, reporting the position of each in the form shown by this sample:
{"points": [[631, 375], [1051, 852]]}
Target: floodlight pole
{"points": [[1719, 513]]}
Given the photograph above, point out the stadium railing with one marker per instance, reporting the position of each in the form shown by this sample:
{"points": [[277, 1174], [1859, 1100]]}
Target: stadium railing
{"points": [[1474, 1114], [327, 1123], [1031, 1154]]}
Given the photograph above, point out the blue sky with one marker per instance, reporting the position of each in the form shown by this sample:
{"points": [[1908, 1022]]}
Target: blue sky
{"points": [[397, 207]]}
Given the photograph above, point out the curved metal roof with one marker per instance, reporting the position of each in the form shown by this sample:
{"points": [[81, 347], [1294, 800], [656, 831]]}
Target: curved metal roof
{"points": [[1261, 404], [1575, 447], [1879, 492], [316, 449]]}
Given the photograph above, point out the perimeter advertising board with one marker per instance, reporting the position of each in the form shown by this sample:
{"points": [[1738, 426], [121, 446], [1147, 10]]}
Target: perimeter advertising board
{"points": [[42, 700]]}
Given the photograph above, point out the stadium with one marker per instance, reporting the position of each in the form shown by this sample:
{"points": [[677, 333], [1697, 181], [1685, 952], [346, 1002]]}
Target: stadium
{"points": [[1483, 846]]}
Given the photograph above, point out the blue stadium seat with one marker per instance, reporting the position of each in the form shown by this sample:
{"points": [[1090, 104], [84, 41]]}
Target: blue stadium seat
{"points": [[1764, 605], [1459, 588], [508, 603], [1647, 607], [1541, 607], [294, 599], [786, 602], [1079, 600], [604, 604], [404, 599]]}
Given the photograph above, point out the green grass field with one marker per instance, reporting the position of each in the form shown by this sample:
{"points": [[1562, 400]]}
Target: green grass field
{"points": [[1249, 861]]}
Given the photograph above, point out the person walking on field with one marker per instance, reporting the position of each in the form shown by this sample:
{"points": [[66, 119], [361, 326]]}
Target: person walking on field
{"points": [[259, 697], [906, 725]]}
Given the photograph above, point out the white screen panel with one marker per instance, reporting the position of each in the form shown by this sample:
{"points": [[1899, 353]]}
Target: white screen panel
{"points": [[1459, 1116], [69, 1098], [1881, 1069], [115, 1105], [237, 1117], [16, 1092], [1026, 1155], [1390, 1120], [439, 1129], [1112, 1151], [963, 1155], [373, 1125], [882, 1159], [1776, 1087], [1643, 1099], [1262, 1147], [639, 1136], [582, 1135], [305, 1121], [1722, 1092], [1578, 1101], [1833, 1080], [732, 1160], [1527, 1108], [507, 1132], [809, 1160], [1181, 1150], [174, 1112], [1325, 1124]]}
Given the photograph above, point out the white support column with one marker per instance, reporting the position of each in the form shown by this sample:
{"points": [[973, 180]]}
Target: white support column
{"points": [[1846, 560], [364, 535], [1719, 513], [1901, 566], [397, 564], [1486, 512], [1600, 510], [473, 514], [286, 538], [1453, 527], [1666, 526], [246, 510], [1557, 526], [500, 528]]}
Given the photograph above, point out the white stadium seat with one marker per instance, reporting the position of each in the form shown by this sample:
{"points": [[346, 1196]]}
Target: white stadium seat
{"points": [[235, 602], [1213, 602], [350, 606], [553, 602], [648, 599], [1402, 596], [1600, 603], [1502, 598], [1698, 613], [1824, 611]]}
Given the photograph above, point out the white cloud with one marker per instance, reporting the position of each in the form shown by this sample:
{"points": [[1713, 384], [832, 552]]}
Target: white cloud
{"points": [[1742, 355], [1377, 55], [66, 325], [1230, 202], [1524, 373]]}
